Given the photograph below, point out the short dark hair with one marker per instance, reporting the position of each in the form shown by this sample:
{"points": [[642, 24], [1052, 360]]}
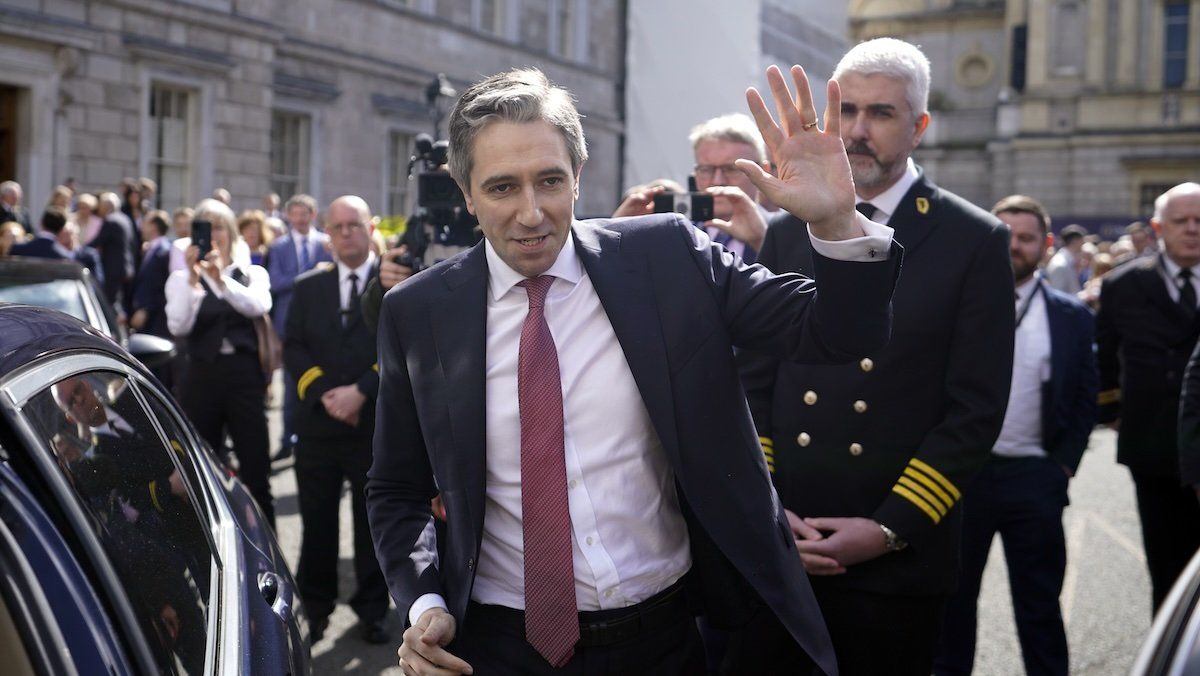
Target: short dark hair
{"points": [[1136, 227], [159, 219], [1072, 233], [1023, 204], [54, 220]]}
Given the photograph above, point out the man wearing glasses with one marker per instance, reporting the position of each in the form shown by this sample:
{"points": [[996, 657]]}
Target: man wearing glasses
{"points": [[716, 144], [330, 353]]}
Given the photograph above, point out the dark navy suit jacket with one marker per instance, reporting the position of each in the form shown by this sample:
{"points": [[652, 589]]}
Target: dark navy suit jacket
{"points": [[1069, 407], [149, 287], [677, 304], [283, 266], [43, 247]]}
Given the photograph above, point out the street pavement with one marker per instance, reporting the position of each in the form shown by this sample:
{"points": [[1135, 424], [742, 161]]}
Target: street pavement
{"points": [[1105, 599]]}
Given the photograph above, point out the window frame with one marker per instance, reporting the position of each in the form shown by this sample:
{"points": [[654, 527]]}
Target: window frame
{"points": [[155, 161], [395, 173], [1178, 57], [302, 175]]}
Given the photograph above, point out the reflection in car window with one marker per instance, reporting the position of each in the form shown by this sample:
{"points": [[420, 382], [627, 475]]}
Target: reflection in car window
{"points": [[63, 295], [138, 505]]}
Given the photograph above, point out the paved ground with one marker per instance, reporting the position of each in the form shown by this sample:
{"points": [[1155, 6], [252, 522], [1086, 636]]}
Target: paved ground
{"points": [[1106, 596]]}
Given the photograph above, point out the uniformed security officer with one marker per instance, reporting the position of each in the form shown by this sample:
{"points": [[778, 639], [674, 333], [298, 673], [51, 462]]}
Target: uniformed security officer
{"points": [[871, 458], [331, 353]]}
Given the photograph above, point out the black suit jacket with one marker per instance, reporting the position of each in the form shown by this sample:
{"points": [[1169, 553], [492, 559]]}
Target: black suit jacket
{"points": [[43, 247], [15, 214], [112, 241], [1143, 341], [320, 353], [898, 434], [1069, 397], [150, 288], [677, 303]]}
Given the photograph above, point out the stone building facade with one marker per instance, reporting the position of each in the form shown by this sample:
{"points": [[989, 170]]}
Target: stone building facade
{"points": [[317, 96], [1092, 106]]}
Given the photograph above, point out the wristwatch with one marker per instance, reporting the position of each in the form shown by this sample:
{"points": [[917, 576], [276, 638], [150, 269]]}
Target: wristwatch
{"points": [[893, 541]]}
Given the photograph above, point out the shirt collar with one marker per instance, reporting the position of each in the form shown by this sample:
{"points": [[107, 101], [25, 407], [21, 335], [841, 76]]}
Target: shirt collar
{"points": [[501, 278], [1027, 286], [363, 271], [889, 200], [1173, 268]]}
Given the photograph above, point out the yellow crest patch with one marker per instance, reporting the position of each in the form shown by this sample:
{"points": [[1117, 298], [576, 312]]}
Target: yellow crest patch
{"points": [[922, 205]]}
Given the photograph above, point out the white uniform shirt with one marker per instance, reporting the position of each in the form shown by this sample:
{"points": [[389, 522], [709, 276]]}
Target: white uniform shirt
{"points": [[1021, 435]]}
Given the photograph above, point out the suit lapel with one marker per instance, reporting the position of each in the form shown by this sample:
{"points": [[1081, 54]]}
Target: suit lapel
{"points": [[916, 217], [624, 284], [459, 321], [1155, 286]]}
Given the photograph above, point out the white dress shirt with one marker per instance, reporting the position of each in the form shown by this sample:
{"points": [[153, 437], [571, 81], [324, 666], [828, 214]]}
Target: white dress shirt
{"points": [[887, 202], [363, 272], [183, 299], [629, 540], [1021, 435], [1170, 273]]}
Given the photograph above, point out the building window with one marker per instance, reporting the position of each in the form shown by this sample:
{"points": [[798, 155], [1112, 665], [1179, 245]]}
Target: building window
{"points": [[289, 153], [400, 149], [1147, 193], [1020, 35], [170, 135], [1069, 47], [1175, 44], [564, 22], [489, 16]]}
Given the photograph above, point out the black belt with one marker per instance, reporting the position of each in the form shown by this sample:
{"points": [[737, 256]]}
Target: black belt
{"points": [[605, 627]]}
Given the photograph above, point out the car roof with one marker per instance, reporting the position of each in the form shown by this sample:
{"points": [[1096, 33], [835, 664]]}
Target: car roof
{"points": [[28, 332], [32, 268]]}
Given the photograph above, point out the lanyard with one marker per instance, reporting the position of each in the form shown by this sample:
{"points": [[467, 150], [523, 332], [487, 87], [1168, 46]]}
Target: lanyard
{"points": [[1037, 288]]}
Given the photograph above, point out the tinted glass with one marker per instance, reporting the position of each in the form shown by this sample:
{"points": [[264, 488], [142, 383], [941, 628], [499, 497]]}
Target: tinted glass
{"points": [[139, 504], [64, 295]]}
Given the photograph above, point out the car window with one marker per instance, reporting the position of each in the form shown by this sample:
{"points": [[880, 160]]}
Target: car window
{"points": [[64, 295], [136, 498]]}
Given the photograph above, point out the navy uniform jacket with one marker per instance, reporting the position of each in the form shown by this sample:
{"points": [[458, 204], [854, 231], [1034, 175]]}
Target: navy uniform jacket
{"points": [[321, 353], [1069, 397], [898, 434], [1143, 341], [677, 304]]}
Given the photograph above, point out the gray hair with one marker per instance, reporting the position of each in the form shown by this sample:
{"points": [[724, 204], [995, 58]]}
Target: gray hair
{"points": [[734, 128], [110, 200], [893, 58], [9, 187], [220, 215], [1160, 203], [519, 95], [301, 200]]}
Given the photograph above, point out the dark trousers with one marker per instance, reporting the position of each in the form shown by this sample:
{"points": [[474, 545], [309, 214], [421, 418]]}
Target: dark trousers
{"points": [[1022, 500], [228, 396], [1170, 516], [323, 465], [492, 641]]}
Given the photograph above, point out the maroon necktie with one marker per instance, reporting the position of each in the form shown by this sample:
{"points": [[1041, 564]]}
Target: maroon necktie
{"points": [[551, 616]]}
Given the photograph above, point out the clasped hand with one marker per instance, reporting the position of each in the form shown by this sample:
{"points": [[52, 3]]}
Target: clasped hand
{"points": [[850, 540], [344, 403]]}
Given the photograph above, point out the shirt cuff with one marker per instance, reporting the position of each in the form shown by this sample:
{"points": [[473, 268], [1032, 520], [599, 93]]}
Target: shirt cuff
{"points": [[425, 602], [874, 245]]}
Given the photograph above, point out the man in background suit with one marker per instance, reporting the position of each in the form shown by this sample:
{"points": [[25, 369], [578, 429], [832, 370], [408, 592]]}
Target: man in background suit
{"points": [[871, 458], [10, 205], [1063, 272], [287, 258], [330, 351], [57, 239], [149, 285], [112, 241], [1022, 490], [1145, 331], [555, 383]]}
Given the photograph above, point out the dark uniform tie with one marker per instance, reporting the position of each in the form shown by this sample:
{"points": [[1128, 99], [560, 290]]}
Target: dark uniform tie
{"points": [[1187, 294], [866, 209], [353, 307]]}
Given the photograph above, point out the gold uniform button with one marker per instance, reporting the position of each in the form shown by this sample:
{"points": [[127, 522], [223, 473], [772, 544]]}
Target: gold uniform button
{"points": [[860, 406], [856, 449], [810, 397], [866, 364], [803, 439]]}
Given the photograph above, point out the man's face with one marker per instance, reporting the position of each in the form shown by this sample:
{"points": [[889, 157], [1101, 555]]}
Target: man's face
{"points": [[300, 218], [13, 198], [81, 402], [879, 130], [714, 166], [1180, 228], [182, 225], [1140, 239], [349, 234], [523, 192], [1027, 243]]}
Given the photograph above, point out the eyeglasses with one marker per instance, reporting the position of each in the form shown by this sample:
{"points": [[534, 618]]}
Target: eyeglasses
{"points": [[707, 171], [345, 227]]}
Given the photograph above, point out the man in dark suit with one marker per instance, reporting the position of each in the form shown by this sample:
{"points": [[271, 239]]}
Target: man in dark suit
{"points": [[871, 458], [149, 285], [57, 239], [330, 352], [1022, 490], [555, 384], [10, 205], [287, 258], [1145, 330], [112, 241]]}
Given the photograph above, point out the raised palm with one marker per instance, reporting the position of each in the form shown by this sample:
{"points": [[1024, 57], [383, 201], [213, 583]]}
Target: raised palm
{"points": [[812, 178]]}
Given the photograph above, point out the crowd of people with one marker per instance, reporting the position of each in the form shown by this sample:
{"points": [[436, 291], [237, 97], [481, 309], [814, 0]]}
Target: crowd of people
{"points": [[585, 424]]}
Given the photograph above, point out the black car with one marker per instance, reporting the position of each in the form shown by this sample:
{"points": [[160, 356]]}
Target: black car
{"points": [[126, 547]]}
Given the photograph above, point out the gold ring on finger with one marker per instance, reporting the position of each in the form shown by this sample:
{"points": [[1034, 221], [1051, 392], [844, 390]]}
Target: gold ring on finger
{"points": [[810, 126]]}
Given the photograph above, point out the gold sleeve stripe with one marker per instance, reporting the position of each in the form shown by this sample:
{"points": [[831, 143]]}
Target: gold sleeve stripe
{"points": [[928, 497], [912, 497], [924, 480], [766, 442], [936, 476], [1108, 397], [154, 495], [375, 367], [307, 379], [178, 447]]}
